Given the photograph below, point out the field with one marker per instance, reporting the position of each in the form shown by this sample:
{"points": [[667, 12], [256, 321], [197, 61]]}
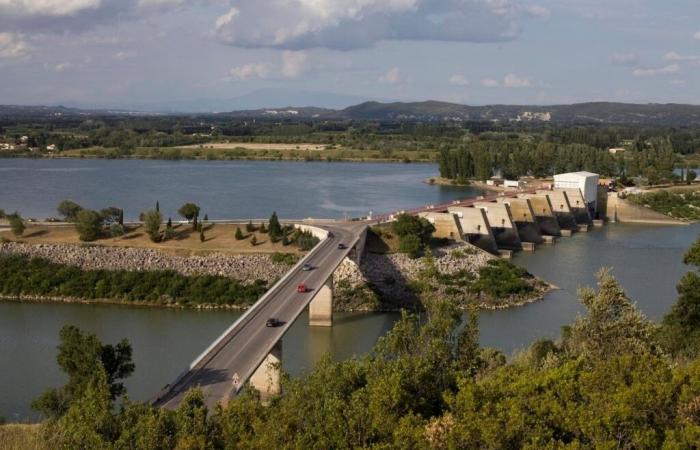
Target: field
{"points": [[218, 238], [20, 437]]}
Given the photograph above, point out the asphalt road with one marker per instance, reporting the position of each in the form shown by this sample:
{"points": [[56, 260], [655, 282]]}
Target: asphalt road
{"points": [[247, 344]]}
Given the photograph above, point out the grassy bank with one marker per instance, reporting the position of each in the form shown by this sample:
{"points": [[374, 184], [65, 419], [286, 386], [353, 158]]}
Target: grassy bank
{"points": [[36, 277], [679, 204]]}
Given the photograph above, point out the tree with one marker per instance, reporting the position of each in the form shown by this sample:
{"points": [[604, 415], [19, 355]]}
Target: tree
{"points": [[16, 224], [262, 228], [239, 234], [152, 221], [89, 225], [121, 217], [407, 224], [202, 238], [411, 245], [692, 256], [206, 217], [157, 206], [82, 356], [275, 228], [189, 211], [249, 227], [254, 241], [69, 210], [690, 176], [111, 215], [613, 325]]}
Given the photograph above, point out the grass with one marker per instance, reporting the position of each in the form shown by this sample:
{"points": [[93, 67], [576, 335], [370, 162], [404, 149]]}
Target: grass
{"points": [[218, 238], [679, 204], [21, 437]]}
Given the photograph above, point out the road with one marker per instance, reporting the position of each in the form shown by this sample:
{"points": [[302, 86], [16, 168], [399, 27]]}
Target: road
{"points": [[245, 345]]}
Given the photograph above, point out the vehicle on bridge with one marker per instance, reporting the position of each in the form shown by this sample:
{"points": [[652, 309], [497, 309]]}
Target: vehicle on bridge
{"points": [[273, 322], [342, 246], [307, 267], [302, 289]]}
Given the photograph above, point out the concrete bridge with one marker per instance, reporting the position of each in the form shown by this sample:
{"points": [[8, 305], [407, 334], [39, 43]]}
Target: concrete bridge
{"points": [[251, 351]]}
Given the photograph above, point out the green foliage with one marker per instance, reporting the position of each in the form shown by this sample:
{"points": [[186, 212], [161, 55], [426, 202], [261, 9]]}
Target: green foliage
{"points": [[249, 227], [112, 215], [116, 230], [681, 205], [2, 213], [82, 357], [692, 256], [411, 245], [69, 210], [254, 241], [284, 258], [305, 240], [202, 238], [500, 279], [262, 228], [189, 211], [16, 224], [24, 276], [152, 220], [239, 234], [88, 223], [275, 226]]}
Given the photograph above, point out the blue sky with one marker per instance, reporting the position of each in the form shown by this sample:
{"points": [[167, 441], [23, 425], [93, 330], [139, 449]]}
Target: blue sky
{"points": [[208, 53]]}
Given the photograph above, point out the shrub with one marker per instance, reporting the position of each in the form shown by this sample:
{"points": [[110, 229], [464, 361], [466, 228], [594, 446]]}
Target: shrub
{"points": [[89, 225], [284, 258], [262, 228], [249, 227], [116, 230], [16, 224], [254, 241], [411, 245], [202, 238], [239, 234], [69, 210], [189, 211], [499, 279], [152, 221], [305, 240]]}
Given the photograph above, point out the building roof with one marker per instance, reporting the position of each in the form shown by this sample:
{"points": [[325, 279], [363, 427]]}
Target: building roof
{"points": [[581, 174]]}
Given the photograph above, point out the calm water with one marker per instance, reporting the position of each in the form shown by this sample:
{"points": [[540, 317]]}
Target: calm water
{"points": [[224, 189], [646, 259]]}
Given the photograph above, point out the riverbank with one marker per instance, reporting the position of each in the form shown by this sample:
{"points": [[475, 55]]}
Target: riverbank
{"points": [[383, 282]]}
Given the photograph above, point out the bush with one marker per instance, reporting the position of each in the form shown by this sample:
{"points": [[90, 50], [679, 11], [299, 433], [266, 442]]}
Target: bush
{"points": [[89, 225], [254, 241], [152, 221], [305, 240], [116, 230], [284, 258], [262, 228], [411, 245], [202, 238], [189, 211], [16, 224], [239, 234], [500, 279], [69, 210], [249, 227]]}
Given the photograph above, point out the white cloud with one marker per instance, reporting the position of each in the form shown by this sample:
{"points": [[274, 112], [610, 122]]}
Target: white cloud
{"points": [[697, 35], [12, 46], [673, 56], [624, 59], [678, 82], [249, 71], [459, 80], [490, 83], [513, 81], [46, 7], [349, 24], [122, 55], [392, 76], [293, 64], [62, 67], [655, 72]]}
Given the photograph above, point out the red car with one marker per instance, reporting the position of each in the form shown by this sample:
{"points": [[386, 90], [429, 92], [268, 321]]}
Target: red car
{"points": [[301, 288]]}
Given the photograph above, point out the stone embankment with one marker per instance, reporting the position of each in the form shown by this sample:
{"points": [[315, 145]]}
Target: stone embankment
{"points": [[246, 268]]}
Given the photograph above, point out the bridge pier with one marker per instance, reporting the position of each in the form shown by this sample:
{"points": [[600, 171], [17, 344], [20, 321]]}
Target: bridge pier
{"points": [[267, 377], [321, 306]]}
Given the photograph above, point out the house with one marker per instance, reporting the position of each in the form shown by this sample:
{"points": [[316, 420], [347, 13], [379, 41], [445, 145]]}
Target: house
{"points": [[586, 182], [51, 147], [616, 150]]}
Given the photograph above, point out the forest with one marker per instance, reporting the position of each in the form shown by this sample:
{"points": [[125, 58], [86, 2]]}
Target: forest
{"points": [[613, 380]]}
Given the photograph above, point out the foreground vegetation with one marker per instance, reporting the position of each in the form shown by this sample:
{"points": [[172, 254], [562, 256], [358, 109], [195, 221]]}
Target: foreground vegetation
{"points": [[23, 276], [680, 205], [613, 380]]}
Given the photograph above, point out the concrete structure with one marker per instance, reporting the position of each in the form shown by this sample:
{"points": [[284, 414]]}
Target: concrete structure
{"points": [[586, 182], [579, 207], [504, 230], [525, 221], [620, 210], [267, 377], [475, 227], [542, 208], [562, 210], [446, 225], [248, 349], [321, 307]]}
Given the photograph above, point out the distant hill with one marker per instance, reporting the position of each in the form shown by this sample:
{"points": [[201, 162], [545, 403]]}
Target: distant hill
{"points": [[434, 111]]}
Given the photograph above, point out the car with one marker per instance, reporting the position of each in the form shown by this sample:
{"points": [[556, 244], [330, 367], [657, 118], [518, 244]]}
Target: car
{"points": [[342, 246], [273, 322], [302, 288], [307, 267]]}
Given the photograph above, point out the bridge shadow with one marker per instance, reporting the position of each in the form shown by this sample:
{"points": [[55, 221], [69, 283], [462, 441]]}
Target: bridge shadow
{"points": [[386, 279]]}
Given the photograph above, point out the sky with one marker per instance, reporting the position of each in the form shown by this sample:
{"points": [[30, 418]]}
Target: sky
{"points": [[237, 54]]}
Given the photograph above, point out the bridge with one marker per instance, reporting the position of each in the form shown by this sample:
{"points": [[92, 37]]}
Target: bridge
{"points": [[251, 351]]}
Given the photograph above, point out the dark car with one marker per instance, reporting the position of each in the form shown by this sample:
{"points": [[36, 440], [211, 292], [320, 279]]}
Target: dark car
{"points": [[307, 267], [272, 322], [342, 246]]}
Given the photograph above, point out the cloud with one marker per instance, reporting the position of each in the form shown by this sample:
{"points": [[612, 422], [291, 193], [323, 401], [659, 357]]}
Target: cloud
{"points": [[122, 55], [513, 81], [293, 64], [697, 36], [624, 59], [392, 76], [351, 24], [459, 80], [490, 83], [62, 67], [673, 56], [12, 46], [655, 72], [249, 71]]}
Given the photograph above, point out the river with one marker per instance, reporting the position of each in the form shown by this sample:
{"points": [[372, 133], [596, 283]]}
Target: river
{"points": [[646, 259]]}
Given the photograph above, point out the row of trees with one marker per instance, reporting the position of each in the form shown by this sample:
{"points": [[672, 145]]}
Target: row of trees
{"points": [[613, 380]]}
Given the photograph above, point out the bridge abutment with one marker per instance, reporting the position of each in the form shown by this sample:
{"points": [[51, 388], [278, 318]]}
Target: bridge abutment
{"points": [[268, 376], [321, 306]]}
